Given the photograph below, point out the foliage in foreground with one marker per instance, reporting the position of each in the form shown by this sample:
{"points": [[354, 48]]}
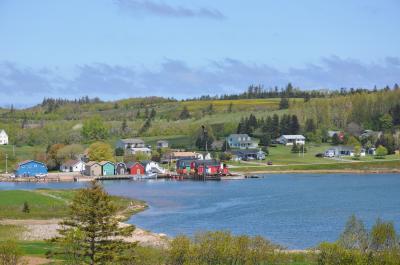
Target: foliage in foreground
{"points": [[357, 246], [223, 248], [91, 233]]}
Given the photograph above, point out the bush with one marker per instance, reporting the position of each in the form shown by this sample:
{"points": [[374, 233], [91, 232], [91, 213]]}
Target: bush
{"points": [[25, 208], [10, 254], [119, 151], [381, 152]]}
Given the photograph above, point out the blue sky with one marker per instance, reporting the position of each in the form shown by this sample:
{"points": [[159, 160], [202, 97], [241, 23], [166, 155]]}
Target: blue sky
{"points": [[176, 48]]}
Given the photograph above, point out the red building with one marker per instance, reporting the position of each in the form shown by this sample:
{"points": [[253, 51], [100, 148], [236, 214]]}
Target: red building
{"points": [[211, 168], [135, 168]]}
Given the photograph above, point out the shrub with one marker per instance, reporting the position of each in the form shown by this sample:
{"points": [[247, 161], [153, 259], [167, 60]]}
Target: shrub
{"points": [[10, 254], [381, 152]]}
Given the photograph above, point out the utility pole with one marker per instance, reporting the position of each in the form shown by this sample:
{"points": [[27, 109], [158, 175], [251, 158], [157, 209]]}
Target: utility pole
{"points": [[6, 163]]}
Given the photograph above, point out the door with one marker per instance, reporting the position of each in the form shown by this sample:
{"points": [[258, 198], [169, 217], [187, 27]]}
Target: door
{"points": [[138, 171]]}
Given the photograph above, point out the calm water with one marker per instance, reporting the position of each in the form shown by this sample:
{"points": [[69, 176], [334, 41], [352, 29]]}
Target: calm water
{"points": [[297, 211]]}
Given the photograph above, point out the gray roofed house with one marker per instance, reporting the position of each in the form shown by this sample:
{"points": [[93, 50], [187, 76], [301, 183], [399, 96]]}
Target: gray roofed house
{"points": [[241, 141], [162, 144], [130, 143], [292, 139]]}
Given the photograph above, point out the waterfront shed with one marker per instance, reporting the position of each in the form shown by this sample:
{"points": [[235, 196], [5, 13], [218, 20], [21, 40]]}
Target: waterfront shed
{"points": [[120, 168], [73, 166], [135, 168], [93, 168], [30, 168], [107, 168]]}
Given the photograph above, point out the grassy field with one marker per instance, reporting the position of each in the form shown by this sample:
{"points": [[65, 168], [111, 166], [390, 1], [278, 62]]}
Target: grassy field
{"points": [[15, 154], [46, 204]]}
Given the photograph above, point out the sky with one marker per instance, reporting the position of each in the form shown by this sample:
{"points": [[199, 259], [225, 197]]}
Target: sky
{"points": [[115, 49]]}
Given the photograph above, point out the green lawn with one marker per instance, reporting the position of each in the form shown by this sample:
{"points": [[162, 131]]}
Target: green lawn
{"points": [[46, 204], [21, 153]]}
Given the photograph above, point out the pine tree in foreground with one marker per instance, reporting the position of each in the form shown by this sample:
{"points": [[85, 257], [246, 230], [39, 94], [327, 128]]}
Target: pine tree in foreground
{"points": [[91, 234]]}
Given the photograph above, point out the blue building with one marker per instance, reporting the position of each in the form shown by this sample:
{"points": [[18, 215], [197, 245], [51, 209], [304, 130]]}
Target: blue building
{"points": [[30, 168]]}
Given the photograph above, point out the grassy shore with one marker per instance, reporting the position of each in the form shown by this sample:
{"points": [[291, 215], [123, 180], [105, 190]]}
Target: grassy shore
{"points": [[47, 204]]}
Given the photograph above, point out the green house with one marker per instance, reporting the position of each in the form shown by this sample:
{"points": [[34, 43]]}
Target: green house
{"points": [[107, 168]]}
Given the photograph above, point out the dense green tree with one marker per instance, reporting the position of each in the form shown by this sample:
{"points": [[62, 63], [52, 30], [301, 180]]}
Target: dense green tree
{"points": [[310, 126], [100, 151], [381, 152], [94, 227], [94, 129], [335, 139], [230, 107], [386, 122], [225, 146]]}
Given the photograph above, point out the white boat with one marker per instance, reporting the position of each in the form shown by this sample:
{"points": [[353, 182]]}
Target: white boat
{"points": [[146, 176]]}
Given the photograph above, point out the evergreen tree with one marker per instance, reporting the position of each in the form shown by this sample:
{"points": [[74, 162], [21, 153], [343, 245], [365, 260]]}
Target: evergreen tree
{"points": [[294, 125], [26, 208], [205, 138], [124, 126], [92, 220], [310, 126], [146, 113], [152, 114], [185, 114], [395, 113], [335, 139], [275, 126], [284, 103], [230, 107], [145, 127], [225, 147], [265, 140]]}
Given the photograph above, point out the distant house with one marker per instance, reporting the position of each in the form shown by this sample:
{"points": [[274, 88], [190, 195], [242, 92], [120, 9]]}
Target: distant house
{"points": [[130, 143], [332, 133], [73, 166], [133, 145], [249, 154], [107, 168], [3, 137], [291, 139], [162, 144], [120, 168], [30, 168], [241, 141], [370, 134], [93, 168], [135, 150], [135, 168], [337, 151], [152, 167]]}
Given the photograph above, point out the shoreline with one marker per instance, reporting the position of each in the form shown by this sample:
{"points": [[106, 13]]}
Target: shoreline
{"points": [[60, 179], [321, 171]]}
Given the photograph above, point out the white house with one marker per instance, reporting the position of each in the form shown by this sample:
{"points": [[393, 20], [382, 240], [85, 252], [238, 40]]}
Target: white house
{"points": [[3, 137], [132, 146], [292, 139], [73, 166]]}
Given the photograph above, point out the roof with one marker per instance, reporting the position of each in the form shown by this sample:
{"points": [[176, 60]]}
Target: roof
{"points": [[294, 136], [91, 163], [211, 162], [184, 154], [132, 163], [71, 163], [239, 135], [246, 151], [144, 149], [162, 141], [102, 163], [132, 141], [28, 161]]}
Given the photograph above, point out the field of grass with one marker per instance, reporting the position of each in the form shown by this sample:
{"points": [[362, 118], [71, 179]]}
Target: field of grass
{"points": [[46, 204], [377, 165], [15, 154]]}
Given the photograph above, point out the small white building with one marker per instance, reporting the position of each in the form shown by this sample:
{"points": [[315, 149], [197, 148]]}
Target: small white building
{"points": [[73, 166], [162, 144], [152, 167], [292, 139], [3, 137]]}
